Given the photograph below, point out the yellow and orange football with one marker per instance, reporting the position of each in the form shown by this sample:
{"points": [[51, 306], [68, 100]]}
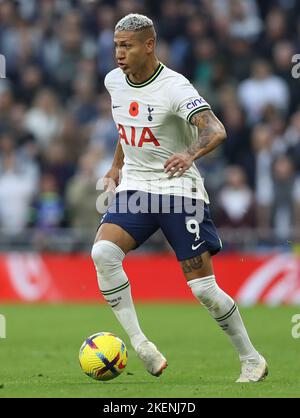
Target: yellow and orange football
{"points": [[103, 356]]}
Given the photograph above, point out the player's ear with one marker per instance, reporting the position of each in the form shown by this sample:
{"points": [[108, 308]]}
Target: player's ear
{"points": [[150, 44]]}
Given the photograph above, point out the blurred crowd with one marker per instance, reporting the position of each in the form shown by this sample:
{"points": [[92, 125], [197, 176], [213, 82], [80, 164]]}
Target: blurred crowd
{"points": [[57, 136]]}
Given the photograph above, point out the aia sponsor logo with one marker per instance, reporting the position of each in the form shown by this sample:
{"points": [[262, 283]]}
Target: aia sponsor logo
{"points": [[131, 138]]}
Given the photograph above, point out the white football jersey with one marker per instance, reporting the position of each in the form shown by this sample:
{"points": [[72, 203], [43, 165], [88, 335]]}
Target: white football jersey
{"points": [[153, 120]]}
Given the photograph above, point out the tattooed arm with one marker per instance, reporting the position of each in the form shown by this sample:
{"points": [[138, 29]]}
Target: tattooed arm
{"points": [[211, 134]]}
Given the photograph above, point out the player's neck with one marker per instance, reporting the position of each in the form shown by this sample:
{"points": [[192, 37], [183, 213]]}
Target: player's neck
{"points": [[145, 72]]}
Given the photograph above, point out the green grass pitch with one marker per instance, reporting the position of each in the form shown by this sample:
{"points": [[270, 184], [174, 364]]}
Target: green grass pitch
{"points": [[39, 357]]}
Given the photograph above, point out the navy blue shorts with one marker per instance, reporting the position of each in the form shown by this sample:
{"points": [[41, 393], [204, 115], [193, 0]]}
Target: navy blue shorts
{"points": [[186, 223]]}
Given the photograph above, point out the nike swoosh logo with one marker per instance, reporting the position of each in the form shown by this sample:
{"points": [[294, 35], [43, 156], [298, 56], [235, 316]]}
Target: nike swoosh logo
{"points": [[194, 247], [114, 107], [113, 306]]}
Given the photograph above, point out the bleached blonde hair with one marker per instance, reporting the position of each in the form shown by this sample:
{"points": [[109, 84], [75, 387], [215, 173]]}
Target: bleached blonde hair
{"points": [[134, 22]]}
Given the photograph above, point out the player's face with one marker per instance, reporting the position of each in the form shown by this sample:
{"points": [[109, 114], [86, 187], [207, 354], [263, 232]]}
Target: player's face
{"points": [[131, 51]]}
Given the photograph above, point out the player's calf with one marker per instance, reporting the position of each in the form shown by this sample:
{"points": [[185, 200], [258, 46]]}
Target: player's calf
{"points": [[224, 310], [115, 287]]}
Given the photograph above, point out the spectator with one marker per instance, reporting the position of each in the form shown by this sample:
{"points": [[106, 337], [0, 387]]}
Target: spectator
{"points": [[206, 58], [283, 53], [241, 56], [31, 81], [47, 211], [6, 106], [292, 139], [243, 25], [236, 200], [237, 147], [83, 103], [81, 194], [54, 107], [106, 55], [67, 51], [275, 91], [231, 16], [44, 119], [72, 138], [104, 134], [9, 39], [262, 141], [276, 29], [57, 163], [286, 198], [171, 22], [16, 191], [23, 161], [24, 138]]}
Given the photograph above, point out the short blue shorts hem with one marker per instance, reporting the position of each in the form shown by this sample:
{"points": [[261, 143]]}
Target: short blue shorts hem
{"points": [[188, 235]]}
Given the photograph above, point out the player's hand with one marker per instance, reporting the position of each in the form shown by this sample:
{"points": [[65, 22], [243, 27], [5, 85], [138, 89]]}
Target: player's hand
{"points": [[178, 164], [111, 179]]}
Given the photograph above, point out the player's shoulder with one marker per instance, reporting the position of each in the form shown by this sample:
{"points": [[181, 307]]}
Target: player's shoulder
{"points": [[113, 78], [173, 77], [178, 88]]}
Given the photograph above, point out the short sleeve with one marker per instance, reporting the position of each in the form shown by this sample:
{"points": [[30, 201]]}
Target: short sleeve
{"points": [[185, 100], [106, 82]]}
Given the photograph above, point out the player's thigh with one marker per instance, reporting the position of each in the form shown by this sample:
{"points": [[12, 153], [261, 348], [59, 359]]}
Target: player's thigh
{"points": [[193, 237], [125, 226], [117, 235], [198, 266]]}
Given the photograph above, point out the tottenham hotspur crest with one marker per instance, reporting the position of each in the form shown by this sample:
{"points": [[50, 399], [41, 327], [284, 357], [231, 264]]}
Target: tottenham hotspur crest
{"points": [[150, 110]]}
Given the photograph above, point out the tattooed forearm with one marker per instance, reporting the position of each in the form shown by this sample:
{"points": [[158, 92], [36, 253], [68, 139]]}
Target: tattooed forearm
{"points": [[211, 133]]}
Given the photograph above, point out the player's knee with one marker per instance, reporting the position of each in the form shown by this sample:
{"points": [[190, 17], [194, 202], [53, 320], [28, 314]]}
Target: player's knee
{"points": [[107, 257], [209, 293], [205, 289]]}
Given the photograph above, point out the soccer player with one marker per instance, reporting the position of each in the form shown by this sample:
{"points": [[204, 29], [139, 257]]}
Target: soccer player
{"points": [[164, 126]]}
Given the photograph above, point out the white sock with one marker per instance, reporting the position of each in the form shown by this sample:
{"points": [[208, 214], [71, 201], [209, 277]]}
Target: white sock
{"points": [[115, 287], [224, 310]]}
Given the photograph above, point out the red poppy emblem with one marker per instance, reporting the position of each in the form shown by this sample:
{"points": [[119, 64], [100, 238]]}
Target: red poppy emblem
{"points": [[134, 109]]}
